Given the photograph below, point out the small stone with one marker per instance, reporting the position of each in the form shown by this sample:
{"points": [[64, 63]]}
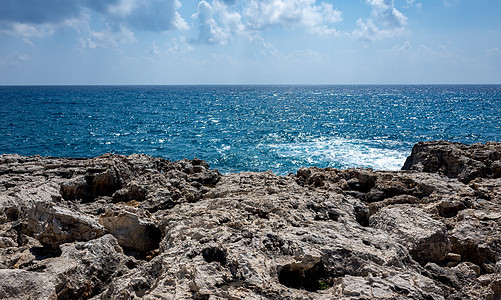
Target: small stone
{"points": [[6, 242], [485, 279], [453, 257]]}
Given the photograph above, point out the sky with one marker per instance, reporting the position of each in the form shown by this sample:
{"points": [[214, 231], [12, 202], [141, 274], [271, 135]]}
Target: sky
{"points": [[66, 42]]}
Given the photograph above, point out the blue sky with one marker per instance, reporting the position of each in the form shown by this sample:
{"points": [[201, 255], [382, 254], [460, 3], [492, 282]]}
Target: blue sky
{"points": [[249, 42]]}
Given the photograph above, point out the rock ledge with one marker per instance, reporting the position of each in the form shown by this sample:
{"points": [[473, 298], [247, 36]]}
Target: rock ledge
{"points": [[139, 227]]}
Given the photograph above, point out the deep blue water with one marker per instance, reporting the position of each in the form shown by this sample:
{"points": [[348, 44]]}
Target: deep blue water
{"points": [[247, 128]]}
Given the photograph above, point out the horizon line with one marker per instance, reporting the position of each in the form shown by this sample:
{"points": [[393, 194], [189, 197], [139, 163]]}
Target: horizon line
{"points": [[252, 84]]}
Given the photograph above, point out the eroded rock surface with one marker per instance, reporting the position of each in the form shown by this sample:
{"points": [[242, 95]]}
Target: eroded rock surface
{"points": [[138, 227], [465, 162]]}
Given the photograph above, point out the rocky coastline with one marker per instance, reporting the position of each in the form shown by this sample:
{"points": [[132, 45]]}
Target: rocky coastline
{"points": [[139, 227]]}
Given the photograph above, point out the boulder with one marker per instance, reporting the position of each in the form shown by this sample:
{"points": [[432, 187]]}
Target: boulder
{"points": [[131, 231], [55, 225], [84, 268], [424, 237], [456, 160]]}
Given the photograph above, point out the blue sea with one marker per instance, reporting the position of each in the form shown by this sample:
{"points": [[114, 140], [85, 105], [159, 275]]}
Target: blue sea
{"points": [[248, 128]]}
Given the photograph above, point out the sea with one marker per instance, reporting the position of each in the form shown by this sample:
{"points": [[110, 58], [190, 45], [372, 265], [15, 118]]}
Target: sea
{"points": [[248, 128]]}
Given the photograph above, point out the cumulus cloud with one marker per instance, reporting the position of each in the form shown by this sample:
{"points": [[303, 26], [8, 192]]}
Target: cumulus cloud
{"points": [[216, 24], [150, 15], [261, 14], [385, 22], [209, 31], [29, 18]]}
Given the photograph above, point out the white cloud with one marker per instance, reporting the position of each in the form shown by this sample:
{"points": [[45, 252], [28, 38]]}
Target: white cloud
{"points": [[261, 14], [216, 24], [404, 49], [15, 58], [259, 48], [154, 50], [230, 20], [109, 37], [441, 52], [449, 3], [26, 30], [33, 18], [414, 3], [385, 22], [28, 42], [493, 52], [179, 46], [150, 15]]}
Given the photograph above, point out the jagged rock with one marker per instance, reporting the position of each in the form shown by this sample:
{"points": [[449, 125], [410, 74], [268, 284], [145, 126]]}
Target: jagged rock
{"points": [[476, 238], [96, 182], [411, 285], [425, 237], [84, 268], [138, 227], [24, 285], [131, 231], [465, 162], [54, 225]]}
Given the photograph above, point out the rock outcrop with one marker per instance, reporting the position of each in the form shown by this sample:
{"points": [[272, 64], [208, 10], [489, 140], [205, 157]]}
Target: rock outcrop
{"points": [[138, 227], [456, 160]]}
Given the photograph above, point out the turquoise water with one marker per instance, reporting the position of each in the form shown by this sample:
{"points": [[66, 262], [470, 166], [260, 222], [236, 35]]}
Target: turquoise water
{"points": [[247, 128]]}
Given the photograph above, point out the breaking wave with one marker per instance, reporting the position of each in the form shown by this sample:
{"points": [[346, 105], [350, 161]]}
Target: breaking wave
{"points": [[344, 153]]}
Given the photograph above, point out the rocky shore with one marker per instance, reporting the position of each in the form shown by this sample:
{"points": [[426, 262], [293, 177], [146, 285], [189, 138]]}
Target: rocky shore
{"points": [[139, 227]]}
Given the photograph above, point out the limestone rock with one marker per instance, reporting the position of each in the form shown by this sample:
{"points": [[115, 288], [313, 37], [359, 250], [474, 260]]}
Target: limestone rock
{"points": [[54, 225], [131, 231], [139, 227], [84, 268], [425, 237], [465, 162], [24, 285]]}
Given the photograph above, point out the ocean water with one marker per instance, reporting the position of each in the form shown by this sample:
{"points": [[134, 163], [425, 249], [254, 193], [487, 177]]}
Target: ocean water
{"points": [[247, 128]]}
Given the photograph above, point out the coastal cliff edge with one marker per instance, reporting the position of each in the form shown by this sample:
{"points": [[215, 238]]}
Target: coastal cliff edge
{"points": [[140, 227]]}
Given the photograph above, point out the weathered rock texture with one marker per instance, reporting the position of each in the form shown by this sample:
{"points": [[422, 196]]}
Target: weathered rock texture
{"points": [[456, 160], [138, 227]]}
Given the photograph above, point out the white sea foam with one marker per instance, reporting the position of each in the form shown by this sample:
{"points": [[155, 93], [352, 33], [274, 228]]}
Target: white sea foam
{"points": [[345, 153]]}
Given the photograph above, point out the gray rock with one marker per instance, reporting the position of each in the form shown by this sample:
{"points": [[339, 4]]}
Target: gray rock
{"points": [[84, 268], [138, 227], [465, 162], [24, 285], [425, 237], [131, 231], [55, 225]]}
